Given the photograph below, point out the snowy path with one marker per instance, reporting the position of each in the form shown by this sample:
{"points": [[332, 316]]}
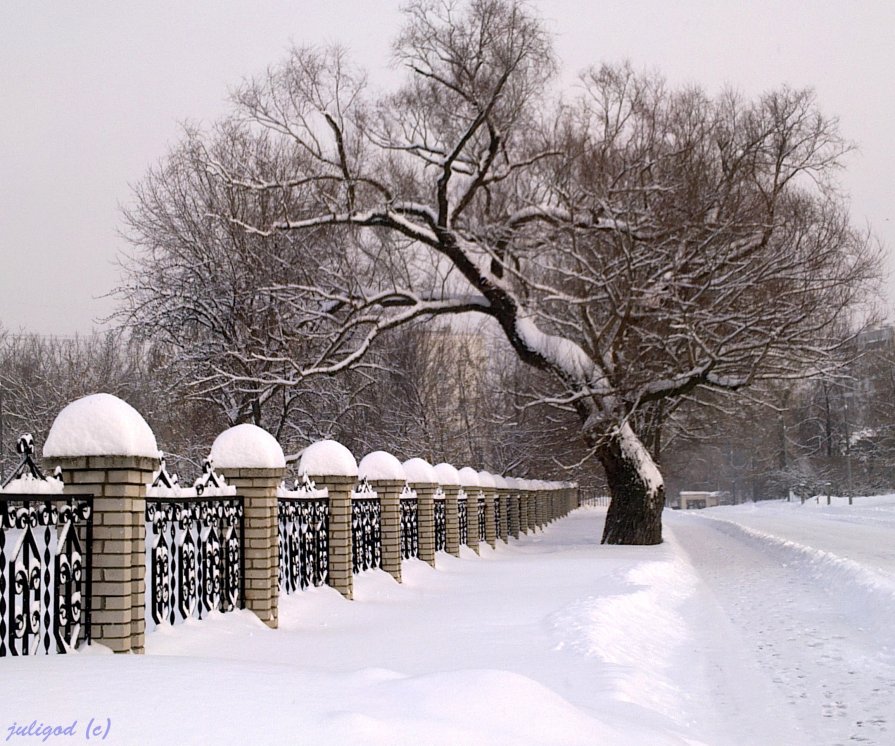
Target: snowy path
{"points": [[806, 594], [750, 626]]}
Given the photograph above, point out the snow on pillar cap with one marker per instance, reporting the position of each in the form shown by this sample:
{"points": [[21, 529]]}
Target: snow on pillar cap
{"points": [[247, 446], [500, 482], [486, 480], [327, 458], [469, 477], [100, 425], [381, 466], [420, 471], [447, 475]]}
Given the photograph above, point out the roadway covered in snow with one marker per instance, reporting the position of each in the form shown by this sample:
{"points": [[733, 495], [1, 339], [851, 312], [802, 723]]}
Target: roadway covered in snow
{"points": [[750, 625], [808, 591]]}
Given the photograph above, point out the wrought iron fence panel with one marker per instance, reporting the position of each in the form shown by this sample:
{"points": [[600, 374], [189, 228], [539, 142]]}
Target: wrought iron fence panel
{"points": [[303, 542], [440, 525], [499, 520], [45, 572], [195, 552], [481, 516], [410, 530], [463, 520], [366, 533]]}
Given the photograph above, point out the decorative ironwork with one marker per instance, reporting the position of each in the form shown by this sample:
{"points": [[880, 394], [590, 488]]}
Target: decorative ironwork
{"points": [[481, 517], [303, 517], [463, 520], [195, 551], [499, 517], [410, 530], [45, 573], [366, 528], [440, 523], [28, 471]]}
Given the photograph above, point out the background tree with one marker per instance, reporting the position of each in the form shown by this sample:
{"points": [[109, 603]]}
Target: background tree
{"points": [[635, 244]]}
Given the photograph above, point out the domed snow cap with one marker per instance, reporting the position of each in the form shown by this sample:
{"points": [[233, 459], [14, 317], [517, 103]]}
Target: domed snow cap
{"points": [[469, 477], [247, 446], [327, 458], [512, 483], [419, 471], [100, 425], [381, 466], [500, 482], [486, 480], [447, 474]]}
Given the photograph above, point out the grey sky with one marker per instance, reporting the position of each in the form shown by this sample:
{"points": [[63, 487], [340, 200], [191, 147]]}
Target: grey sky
{"points": [[93, 93]]}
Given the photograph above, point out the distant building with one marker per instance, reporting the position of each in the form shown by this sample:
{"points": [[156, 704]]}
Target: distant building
{"points": [[696, 500]]}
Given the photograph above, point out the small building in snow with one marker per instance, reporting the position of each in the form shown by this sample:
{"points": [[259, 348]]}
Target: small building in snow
{"points": [[694, 500]]}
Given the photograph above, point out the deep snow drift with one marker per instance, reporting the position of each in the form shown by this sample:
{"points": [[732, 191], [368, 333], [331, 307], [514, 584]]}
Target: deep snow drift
{"points": [[740, 629]]}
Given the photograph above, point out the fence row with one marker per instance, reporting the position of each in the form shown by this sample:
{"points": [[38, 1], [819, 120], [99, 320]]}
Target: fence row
{"points": [[122, 546]]}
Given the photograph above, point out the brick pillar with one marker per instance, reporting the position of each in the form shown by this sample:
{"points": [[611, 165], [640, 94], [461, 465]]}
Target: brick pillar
{"points": [[528, 510], [490, 516], [341, 564], [503, 511], [389, 491], [472, 518], [258, 488], [425, 516], [118, 484], [451, 519], [513, 517], [540, 507]]}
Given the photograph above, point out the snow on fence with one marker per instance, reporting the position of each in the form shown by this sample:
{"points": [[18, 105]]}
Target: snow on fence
{"points": [[117, 543]]}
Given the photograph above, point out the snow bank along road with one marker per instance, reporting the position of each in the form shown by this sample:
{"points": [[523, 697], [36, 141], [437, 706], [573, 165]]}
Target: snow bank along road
{"points": [[809, 592], [750, 625]]}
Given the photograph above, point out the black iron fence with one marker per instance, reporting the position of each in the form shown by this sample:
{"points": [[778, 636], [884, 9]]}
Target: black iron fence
{"points": [[45, 573], [303, 519], [366, 530], [410, 531], [440, 522], [46, 541], [480, 505], [195, 540], [463, 520]]}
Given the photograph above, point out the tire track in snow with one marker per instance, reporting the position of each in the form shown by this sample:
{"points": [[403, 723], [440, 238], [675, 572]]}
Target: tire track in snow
{"points": [[818, 626]]}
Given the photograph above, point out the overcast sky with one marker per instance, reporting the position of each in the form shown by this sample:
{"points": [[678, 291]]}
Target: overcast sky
{"points": [[92, 93]]}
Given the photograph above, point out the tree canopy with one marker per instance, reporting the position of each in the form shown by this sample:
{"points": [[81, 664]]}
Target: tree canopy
{"points": [[634, 242]]}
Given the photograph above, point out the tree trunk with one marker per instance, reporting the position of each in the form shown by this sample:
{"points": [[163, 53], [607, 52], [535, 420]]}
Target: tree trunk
{"points": [[637, 490]]}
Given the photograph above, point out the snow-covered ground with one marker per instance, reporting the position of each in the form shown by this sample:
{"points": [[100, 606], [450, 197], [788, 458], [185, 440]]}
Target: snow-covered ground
{"points": [[764, 624]]}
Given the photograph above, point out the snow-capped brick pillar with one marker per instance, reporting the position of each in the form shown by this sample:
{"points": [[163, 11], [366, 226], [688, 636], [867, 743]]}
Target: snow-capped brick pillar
{"points": [[424, 481], [526, 495], [105, 448], [502, 507], [488, 486], [449, 479], [469, 480], [541, 498], [512, 507], [251, 460], [331, 466], [385, 475]]}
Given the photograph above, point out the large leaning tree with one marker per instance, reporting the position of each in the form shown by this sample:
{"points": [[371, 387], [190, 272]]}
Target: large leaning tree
{"points": [[634, 242]]}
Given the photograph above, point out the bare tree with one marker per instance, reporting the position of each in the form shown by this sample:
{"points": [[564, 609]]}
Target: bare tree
{"points": [[636, 244]]}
